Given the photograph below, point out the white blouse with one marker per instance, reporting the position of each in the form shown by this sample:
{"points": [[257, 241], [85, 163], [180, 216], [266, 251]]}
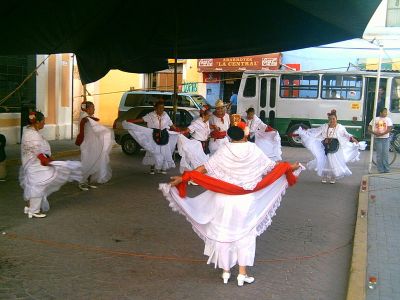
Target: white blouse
{"points": [[223, 123], [199, 129], [158, 122]]}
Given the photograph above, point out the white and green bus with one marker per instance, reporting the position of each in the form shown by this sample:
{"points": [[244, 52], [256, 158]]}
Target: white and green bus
{"points": [[289, 99]]}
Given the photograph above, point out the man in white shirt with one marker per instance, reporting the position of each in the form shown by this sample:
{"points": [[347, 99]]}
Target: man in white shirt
{"points": [[381, 129]]}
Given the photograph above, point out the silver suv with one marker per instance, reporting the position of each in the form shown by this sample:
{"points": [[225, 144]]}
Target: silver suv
{"points": [[142, 98], [184, 117]]}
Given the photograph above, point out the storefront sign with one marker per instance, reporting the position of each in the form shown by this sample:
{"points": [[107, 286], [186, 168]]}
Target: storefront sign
{"points": [[189, 87], [211, 77], [240, 64]]}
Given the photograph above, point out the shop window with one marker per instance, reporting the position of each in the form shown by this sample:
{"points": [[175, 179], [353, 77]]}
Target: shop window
{"points": [[299, 86]]}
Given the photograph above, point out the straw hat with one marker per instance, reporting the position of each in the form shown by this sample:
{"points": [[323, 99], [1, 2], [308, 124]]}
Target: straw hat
{"points": [[235, 119], [219, 103]]}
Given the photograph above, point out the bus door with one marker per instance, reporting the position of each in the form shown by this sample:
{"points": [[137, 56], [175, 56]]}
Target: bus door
{"points": [[267, 102], [369, 98]]}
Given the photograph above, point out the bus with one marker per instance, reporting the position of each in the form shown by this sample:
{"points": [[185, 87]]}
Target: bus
{"points": [[287, 100]]}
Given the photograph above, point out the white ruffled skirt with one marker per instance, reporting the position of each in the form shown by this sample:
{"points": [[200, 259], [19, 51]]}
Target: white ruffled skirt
{"points": [[191, 152], [270, 144], [333, 164], [95, 153], [156, 155], [215, 144], [40, 181], [229, 224]]}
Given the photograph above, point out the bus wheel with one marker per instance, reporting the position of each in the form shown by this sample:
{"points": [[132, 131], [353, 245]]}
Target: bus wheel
{"points": [[295, 141], [392, 156]]}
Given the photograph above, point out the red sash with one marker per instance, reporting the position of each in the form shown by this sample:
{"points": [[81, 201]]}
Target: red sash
{"points": [[219, 186]]}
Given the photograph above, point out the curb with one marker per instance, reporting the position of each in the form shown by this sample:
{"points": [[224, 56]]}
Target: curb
{"points": [[358, 270]]}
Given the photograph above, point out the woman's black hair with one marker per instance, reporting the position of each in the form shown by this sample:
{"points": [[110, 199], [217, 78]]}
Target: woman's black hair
{"points": [[382, 109], [158, 103], [250, 109], [38, 117], [236, 133]]}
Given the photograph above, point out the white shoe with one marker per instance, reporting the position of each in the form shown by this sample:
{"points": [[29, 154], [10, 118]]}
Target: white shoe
{"points": [[324, 180], [36, 215], [226, 276], [83, 187], [241, 279], [92, 186], [332, 181], [163, 172], [26, 210]]}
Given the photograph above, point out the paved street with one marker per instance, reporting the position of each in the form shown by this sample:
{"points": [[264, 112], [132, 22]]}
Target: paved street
{"points": [[122, 241]]}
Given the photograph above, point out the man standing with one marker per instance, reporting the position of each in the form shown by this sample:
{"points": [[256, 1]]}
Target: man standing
{"points": [[381, 129], [381, 101], [233, 102]]}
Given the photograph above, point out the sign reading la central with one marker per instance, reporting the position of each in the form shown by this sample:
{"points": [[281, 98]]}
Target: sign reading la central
{"points": [[238, 64]]}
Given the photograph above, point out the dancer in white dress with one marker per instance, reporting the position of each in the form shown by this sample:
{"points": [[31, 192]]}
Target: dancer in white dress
{"points": [[194, 151], [229, 224], [332, 147], [157, 140], [219, 124], [95, 141], [40, 175], [265, 137]]}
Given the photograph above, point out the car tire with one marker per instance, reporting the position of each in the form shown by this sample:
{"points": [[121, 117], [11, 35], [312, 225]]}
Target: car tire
{"points": [[296, 141], [129, 145]]}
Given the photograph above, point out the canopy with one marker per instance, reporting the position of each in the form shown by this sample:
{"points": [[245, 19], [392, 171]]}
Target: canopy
{"points": [[139, 36]]}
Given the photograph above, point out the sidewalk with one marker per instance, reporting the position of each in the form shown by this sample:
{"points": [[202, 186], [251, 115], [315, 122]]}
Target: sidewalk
{"points": [[376, 251]]}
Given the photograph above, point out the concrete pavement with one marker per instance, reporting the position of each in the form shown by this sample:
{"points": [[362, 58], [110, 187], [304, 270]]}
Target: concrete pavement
{"points": [[123, 242]]}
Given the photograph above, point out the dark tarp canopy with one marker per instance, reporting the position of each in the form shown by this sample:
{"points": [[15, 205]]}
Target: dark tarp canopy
{"points": [[139, 36]]}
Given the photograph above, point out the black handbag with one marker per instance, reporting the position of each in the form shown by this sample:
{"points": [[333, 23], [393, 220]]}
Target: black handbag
{"points": [[331, 145], [161, 137]]}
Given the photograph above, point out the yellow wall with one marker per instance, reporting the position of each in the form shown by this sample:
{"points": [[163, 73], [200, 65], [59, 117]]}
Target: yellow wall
{"points": [[192, 75], [114, 81]]}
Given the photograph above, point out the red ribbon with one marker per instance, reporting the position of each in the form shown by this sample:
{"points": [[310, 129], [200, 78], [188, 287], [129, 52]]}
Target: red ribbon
{"points": [[219, 186]]}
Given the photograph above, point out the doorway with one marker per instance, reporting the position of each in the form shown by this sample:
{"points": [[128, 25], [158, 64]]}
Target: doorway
{"points": [[369, 101], [231, 83]]}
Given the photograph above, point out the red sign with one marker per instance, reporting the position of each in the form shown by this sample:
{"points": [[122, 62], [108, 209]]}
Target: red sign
{"points": [[240, 64]]}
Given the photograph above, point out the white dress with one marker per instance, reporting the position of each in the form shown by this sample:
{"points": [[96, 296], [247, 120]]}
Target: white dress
{"points": [[95, 151], [191, 150], [230, 224], [223, 124], [40, 181], [332, 164], [159, 156], [269, 142], [199, 130]]}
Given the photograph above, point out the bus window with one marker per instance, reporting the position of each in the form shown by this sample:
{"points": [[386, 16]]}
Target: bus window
{"points": [[343, 87], [299, 86], [395, 95], [272, 93], [250, 87], [263, 94]]}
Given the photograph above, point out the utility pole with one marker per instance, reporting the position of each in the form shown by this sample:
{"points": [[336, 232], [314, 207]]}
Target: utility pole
{"points": [[378, 79]]}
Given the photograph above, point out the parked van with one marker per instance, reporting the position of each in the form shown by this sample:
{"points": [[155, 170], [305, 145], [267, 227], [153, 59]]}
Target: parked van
{"points": [[143, 98]]}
